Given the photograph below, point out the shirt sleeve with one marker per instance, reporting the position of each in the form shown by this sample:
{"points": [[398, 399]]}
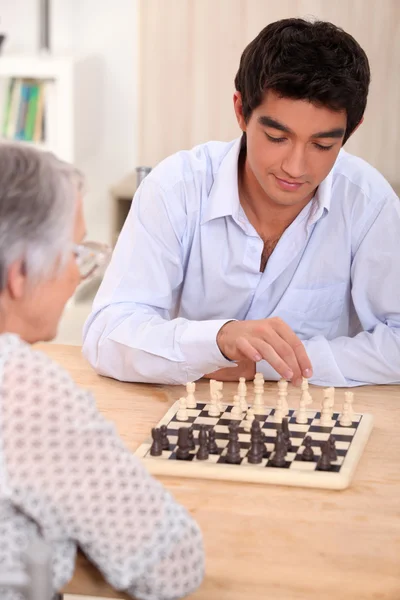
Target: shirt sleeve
{"points": [[69, 471], [132, 333]]}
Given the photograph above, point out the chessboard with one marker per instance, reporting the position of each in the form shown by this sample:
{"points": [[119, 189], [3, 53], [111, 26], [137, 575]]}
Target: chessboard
{"points": [[349, 442]]}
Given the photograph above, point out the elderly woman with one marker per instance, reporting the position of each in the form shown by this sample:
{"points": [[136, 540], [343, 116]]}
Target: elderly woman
{"points": [[63, 470]]}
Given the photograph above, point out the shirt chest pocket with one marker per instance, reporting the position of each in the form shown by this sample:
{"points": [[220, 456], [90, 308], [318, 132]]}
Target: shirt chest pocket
{"points": [[312, 312]]}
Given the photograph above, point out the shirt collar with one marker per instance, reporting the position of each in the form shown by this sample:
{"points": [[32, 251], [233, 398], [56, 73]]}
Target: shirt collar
{"points": [[224, 196]]}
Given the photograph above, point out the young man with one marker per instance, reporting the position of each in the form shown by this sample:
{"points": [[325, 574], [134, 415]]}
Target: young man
{"points": [[277, 252]]}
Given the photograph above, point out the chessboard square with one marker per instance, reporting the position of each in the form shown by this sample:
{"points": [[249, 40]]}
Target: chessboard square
{"points": [[190, 457], [193, 412], [318, 436], [201, 405], [206, 421], [315, 428], [244, 437], [270, 440], [343, 431], [175, 425], [222, 443], [297, 442], [290, 456], [270, 425], [173, 440], [225, 422], [221, 429], [213, 458], [300, 458], [270, 465], [231, 417], [298, 427], [245, 463], [344, 446], [303, 465]]}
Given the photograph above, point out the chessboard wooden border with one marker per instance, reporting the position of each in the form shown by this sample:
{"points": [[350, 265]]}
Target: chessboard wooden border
{"points": [[254, 473]]}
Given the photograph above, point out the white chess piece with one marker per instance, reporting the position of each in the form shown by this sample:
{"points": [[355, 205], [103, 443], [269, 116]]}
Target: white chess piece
{"points": [[190, 399], [279, 414], [213, 409], [258, 404], [249, 419], [346, 418], [282, 395], [242, 393], [219, 386], [305, 400], [326, 410], [182, 414], [236, 409]]}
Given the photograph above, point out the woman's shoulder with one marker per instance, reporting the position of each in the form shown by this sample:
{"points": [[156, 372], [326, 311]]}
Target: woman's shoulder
{"points": [[30, 375]]}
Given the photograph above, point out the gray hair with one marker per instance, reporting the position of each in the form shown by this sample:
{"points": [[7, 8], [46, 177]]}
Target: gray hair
{"points": [[38, 199]]}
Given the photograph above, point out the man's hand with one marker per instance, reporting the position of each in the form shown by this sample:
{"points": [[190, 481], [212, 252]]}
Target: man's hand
{"points": [[245, 368], [269, 339]]}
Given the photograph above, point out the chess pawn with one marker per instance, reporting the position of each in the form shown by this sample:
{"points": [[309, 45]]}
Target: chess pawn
{"points": [[164, 438], [213, 409], [190, 399], [326, 414], [202, 453], [219, 386], [324, 462], [212, 444], [282, 394], [249, 419], [233, 448], [236, 409], [308, 452], [242, 393], [258, 403], [182, 414], [346, 418], [156, 447], [279, 414], [301, 415]]}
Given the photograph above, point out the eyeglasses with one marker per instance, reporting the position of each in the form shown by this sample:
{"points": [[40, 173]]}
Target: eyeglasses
{"points": [[91, 257]]}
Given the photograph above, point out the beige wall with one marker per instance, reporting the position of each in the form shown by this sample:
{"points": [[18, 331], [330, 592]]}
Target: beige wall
{"points": [[189, 54]]}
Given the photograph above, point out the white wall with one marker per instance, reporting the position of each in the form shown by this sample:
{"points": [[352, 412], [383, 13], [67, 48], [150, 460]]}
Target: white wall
{"points": [[107, 28]]}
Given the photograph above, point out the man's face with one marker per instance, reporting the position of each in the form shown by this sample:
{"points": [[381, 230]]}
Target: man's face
{"points": [[291, 147]]}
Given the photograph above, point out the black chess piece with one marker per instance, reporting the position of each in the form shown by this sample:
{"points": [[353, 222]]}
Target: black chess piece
{"points": [[278, 458], [308, 452], [233, 449], [212, 444], [156, 447], [202, 452], [286, 434], [332, 448], [192, 445], [182, 452], [324, 462], [164, 438], [256, 451]]}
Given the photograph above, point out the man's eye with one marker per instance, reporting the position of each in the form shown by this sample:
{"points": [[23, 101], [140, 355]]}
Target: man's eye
{"points": [[274, 139]]}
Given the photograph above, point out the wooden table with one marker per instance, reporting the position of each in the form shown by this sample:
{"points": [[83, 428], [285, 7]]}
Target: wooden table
{"points": [[273, 542]]}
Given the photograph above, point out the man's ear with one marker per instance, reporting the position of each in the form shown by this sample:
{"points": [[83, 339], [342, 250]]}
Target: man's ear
{"points": [[238, 107], [16, 280]]}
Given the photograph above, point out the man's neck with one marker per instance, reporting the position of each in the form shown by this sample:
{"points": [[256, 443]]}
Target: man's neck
{"points": [[268, 218]]}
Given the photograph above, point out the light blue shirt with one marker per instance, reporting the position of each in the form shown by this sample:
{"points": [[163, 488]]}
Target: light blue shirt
{"points": [[188, 260]]}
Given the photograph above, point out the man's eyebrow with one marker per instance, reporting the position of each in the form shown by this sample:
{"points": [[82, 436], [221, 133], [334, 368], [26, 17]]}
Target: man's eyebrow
{"points": [[336, 133], [269, 122]]}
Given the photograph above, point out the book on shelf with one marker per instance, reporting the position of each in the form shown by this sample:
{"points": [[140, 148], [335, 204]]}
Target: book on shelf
{"points": [[25, 110]]}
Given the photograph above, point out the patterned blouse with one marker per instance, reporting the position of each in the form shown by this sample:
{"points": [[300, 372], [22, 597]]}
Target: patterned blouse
{"points": [[65, 473]]}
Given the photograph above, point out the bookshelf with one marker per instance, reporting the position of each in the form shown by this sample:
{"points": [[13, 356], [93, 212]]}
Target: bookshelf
{"points": [[72, 105]]}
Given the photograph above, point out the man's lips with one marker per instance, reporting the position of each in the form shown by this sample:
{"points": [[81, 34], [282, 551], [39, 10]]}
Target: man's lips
{"points": [[288, 185]]}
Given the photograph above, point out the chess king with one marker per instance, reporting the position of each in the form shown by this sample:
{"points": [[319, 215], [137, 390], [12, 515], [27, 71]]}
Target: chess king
{"points": [[276, 252]]}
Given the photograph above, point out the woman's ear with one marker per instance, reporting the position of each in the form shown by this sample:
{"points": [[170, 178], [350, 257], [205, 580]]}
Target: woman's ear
{"points": [[16, 280]]}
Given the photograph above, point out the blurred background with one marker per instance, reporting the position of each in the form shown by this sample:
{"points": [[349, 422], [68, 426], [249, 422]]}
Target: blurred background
{"points": [[125, 83]]}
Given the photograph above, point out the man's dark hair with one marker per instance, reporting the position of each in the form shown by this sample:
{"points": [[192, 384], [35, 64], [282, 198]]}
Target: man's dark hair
{"points": [[304, 60]]}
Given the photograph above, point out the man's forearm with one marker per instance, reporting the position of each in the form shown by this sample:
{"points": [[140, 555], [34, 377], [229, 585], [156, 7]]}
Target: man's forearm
{"points": [[130, 344]]}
